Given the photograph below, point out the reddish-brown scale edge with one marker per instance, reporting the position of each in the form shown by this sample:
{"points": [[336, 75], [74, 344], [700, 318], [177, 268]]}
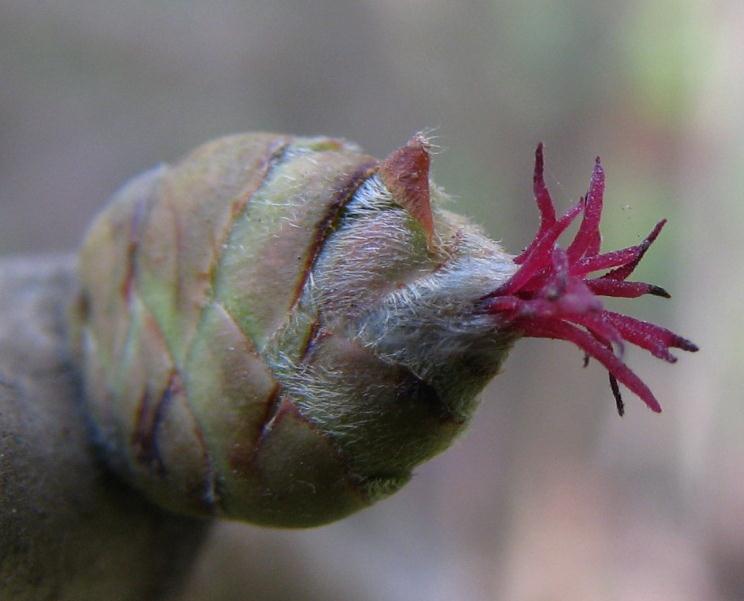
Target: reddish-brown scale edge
{"points": [[405, 172], [144, 429], [149, 419], [344, 193], [145, 442], [140, 213], [437, 409], [279, 404], [138, 222], [273, 158], [549, 296], [286, 406], [314, 336], [243, 462], [210, 494]]}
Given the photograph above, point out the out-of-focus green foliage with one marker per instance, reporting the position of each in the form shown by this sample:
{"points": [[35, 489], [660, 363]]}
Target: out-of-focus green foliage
{"points": [[668, 47]]}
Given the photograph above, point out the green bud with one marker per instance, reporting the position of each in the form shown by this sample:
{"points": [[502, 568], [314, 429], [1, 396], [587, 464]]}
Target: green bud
{"points": [[279, 329]]}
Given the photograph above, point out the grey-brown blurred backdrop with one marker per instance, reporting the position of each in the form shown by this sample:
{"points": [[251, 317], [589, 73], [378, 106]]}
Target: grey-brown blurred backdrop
{"points": [[550, 496]]}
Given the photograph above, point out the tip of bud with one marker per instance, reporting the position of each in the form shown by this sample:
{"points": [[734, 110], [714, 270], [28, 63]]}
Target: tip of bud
{"points": [[552, 295]]}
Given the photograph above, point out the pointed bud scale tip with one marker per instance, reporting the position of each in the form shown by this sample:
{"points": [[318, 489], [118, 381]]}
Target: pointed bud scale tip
{"points": [[405, 172], [550, 295]]}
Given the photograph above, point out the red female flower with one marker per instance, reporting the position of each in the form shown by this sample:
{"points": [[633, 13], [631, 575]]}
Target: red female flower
{"points": [[552, 294]]}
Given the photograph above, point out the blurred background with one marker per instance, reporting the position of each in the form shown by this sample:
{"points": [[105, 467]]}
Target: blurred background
{"points": [[550, 495]]}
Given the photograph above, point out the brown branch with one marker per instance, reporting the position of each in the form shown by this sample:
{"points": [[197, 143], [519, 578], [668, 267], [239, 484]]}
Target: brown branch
{"points": [[68, 529]]}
